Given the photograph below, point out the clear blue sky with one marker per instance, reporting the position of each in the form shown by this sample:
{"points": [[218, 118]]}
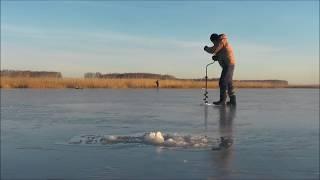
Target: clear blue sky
{"points": [[271, 40]]}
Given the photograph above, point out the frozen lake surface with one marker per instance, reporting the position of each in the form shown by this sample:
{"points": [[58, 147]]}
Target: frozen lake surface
{"points": [[48, 134]]}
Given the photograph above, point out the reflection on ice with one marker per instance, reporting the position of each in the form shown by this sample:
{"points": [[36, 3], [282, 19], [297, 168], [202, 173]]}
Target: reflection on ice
{"points": [[153, 138]]}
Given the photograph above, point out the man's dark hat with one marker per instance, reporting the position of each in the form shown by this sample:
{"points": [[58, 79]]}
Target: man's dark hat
{"points": [[214, 37]]}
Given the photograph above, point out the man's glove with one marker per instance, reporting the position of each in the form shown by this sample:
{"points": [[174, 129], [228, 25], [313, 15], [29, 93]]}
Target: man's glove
{"points": [[215, 58], [205, 48]]}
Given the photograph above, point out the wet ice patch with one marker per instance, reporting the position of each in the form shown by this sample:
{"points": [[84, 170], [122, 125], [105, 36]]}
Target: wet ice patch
{"points": [[154, 138]]}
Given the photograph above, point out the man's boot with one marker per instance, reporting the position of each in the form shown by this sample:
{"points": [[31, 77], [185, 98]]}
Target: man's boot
{"points": [[232, 101], [223, 98]]}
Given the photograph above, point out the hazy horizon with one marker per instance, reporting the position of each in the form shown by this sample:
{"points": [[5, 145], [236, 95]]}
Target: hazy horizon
{"points": [[271, 40]]}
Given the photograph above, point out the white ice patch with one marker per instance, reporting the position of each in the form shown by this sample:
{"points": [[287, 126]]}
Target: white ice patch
{"points": [[154, 138]]}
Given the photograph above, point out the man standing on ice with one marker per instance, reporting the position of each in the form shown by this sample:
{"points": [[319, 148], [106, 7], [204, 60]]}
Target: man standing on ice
{"points": [[223, 53]]}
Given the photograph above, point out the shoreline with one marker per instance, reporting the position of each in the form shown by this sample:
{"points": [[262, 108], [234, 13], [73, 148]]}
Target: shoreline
{"points": [[114, 83]]}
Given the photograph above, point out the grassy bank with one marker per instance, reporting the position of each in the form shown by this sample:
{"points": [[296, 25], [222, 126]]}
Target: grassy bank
{"points": [[95, 83], [19, 82], [311, 86]]}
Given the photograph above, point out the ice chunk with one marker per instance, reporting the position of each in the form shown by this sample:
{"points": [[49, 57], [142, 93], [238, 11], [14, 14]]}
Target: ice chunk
{"points": [[111, 138], [154, 138], [170, 142]]}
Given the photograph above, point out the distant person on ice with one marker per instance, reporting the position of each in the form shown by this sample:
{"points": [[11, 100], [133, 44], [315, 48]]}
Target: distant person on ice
{"points": [[223, 53]]}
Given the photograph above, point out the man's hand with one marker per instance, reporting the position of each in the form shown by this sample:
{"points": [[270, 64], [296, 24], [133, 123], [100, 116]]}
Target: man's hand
{"points": [[215, 58], [208, 49]]}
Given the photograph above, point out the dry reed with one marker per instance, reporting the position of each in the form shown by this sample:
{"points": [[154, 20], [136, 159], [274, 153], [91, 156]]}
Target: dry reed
{"points": [[8, 82], [26, 82]]}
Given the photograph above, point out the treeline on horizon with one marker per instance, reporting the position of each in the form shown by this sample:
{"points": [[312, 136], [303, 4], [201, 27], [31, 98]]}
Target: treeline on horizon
{"points": [[128, 76], [33, 74], [98, 75]]}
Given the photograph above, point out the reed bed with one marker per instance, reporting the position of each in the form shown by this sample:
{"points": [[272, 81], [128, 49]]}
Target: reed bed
{"points": [[79, 83], [311, 86], [248, 84], [8, 82]]}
